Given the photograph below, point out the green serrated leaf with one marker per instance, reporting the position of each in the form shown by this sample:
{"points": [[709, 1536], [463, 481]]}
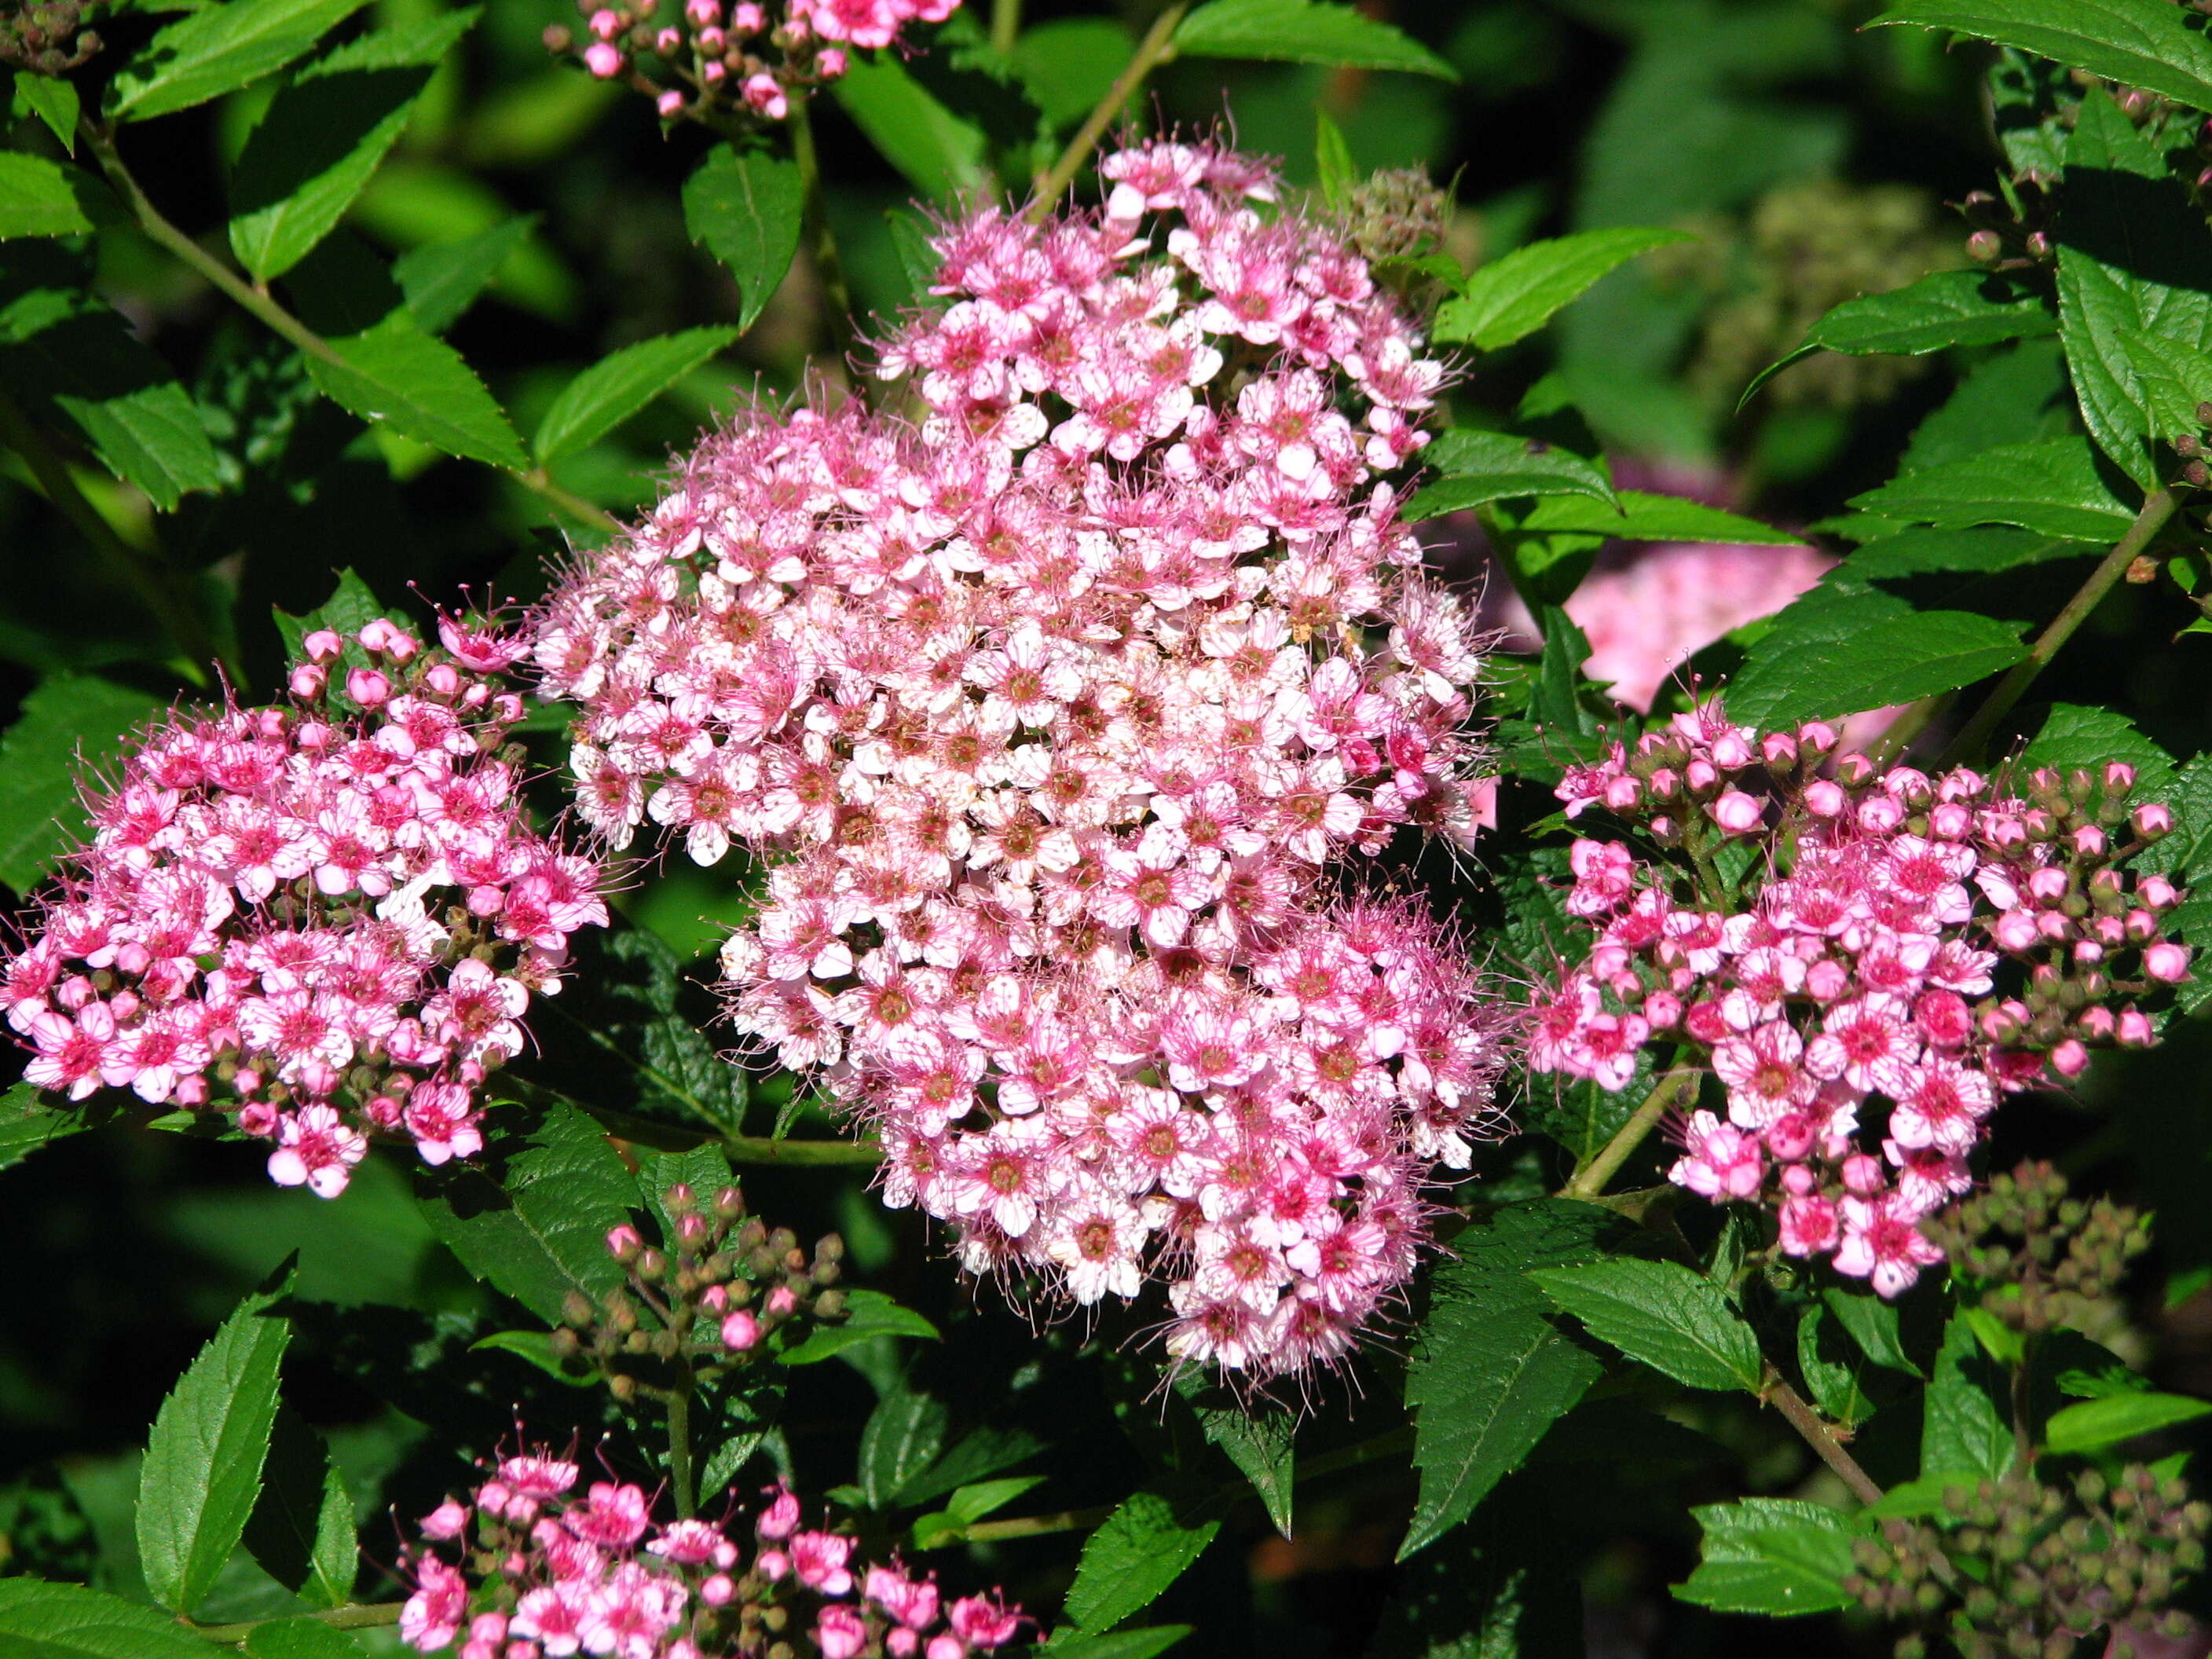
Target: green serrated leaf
{"points": [[1333, 161], [1129, 1562], [2078, 737], [351, 606], [2134, 284], [219, 50], [538, 1231], [1490, 1372], [1513, 297], [1662, 1313], [942, 154], [900, 1440], [1982, 552], [1146, 1644], [533, 1348], [1961, 1426], [1494, 1590], [323, 136], [69, 722], [302, 1531], [441, 279], [616, 387], [1643, 517], [2052, 486], [2138, 43], [1835, 652], [2013, 396], [870, 1314], [38, 197], [395, 372], [300, 1638], [53, 101], [978, 1453], [2096, 1424], [43, 1620], [745, 208], [1261, 1440], [1949, 309], [1779, 1556], [27, 1120], [202, 1472], [1830, 1369], [2186, 854], [1303, 32], [1873, 1324], [1482, 467]]}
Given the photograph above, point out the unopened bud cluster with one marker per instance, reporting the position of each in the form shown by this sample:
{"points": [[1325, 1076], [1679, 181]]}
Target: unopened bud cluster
{"points": [[2045, 1259], [708, 57], [2025, 1570], [1397, 214], [1912, 945], [722, 1290], [46, 37], [2011, 231]]}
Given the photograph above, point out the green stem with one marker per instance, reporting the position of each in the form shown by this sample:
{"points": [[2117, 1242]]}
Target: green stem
{"points": [[679, 1444], [259, 303], [1005, 25], [364, 1615], [1818, 1435], [1588, 1181], [155, 581], [2023, 1444], [1157, 47], [759, 1148], [828, 267], [1034, 1526], [2158, 506]]}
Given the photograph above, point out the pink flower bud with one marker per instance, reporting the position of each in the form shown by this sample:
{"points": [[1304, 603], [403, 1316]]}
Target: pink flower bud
{"points": [[1950, 822], [447, 1520], [443, 680], [703, 14], [2167, 962], [718, 1590], [1662, 1009], [604, 24], [2157, 893], [1862, 1176], [323, 645], [603, 60], [309, 680], [1825, 980], [2120, 777], [712, 41], [740, 1332], [1816, 737], [1881, 815], [2047, 884], [764, 93], [1798, 1180], [1701, 776], [2089, 841], [2069, 1059], [668, 43], [624, 1244], [747, 18], [367, 688], [2153, 819], [1825, 799], [2135, 1030], [1855, 769], [1622, 793], [1779, 749], [831, 64], [670, 104], [1736, 813], [2096, 1024]]}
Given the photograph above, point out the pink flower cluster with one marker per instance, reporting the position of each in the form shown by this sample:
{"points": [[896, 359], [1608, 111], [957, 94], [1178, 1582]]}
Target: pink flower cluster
{"points": [[1913, 946], [739, 56], [326, 918], [559, 1571], [1052, 716]]}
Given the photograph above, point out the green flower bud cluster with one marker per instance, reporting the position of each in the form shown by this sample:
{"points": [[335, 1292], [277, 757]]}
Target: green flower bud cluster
{"points": [[2045, 1259], [722, 1291], [46, 37], [1397, 214], [2010, 230], [2025, 1571]]}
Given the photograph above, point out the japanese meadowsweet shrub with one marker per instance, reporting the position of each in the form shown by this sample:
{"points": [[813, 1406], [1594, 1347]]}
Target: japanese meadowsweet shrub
{"points": [[539, 1563], [324, 919], [1869, 958], [1053, 711]]}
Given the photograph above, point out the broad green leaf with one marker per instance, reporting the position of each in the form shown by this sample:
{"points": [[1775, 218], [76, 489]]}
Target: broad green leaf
{"points": [[1303, 32], [1661, 1313], [1831, 1367], [2185, 854], [53, 101], [2014, 396], [2138, 43], [941, 154], [1146, 1644], [1779, 1556], [302, 1530], [1480, 467], [1961, 1428], [2134, 287], [219, 50], [28, 1121], [1834, 652], [74, 360], [203, 1467], [441, 279], [43, 1620], [2096, 1424], [1642, 517], [1873, 1325], [1490, 1372], [900, 1440], [745, 207], [397, 373], [1495, 1589], [324, 136], [350, 607], [615, 388], [869, 1315], [1979, 552], [532, 1348], [300, 1638], [1129, 1562], [1333, 161], [2083, 737], [1949, 309], [69, 722], [38, 197], [1261, 1440], [1514, 296], [966, 1506], [1068, 64], [2052, 486], [978, 1453], [538, 1230]]}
